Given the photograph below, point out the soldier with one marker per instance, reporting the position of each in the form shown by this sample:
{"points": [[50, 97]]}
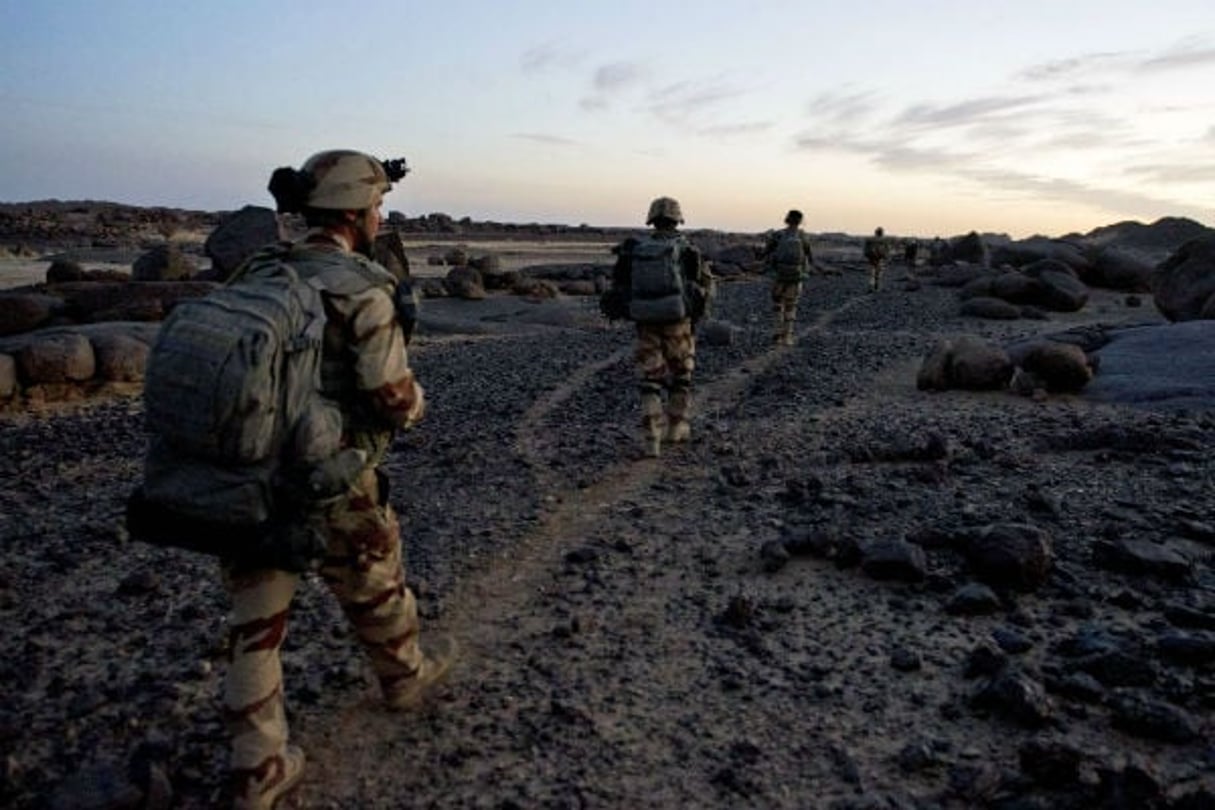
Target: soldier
{"points": [[365, 370], [911, 249], [668, 285], [876, 250], [936, 251], [789, 258]]}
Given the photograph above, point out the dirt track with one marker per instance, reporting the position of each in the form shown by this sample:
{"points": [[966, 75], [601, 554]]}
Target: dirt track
{"points": [[627, 643]]}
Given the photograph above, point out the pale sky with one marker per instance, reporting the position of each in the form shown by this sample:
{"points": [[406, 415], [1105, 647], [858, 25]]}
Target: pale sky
{"points": [[930, 117]]}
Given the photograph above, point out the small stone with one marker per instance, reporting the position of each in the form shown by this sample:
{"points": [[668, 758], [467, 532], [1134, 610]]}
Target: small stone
{"points": [[1011, 641], [905, 660], [973, 599]]}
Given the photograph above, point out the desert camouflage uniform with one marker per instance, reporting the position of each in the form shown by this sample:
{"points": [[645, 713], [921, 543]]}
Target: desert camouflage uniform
{"points": [[366, 370], [786, 294], [876, 250], [665, 353]]}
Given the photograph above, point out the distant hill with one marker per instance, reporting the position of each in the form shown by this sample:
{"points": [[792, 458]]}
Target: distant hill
{"points": [[1167, 233]]}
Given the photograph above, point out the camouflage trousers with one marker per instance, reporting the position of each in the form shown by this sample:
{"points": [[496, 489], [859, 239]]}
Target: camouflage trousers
{"points": [[876, 266], [784, 301], [666, 357], [363, 569]]}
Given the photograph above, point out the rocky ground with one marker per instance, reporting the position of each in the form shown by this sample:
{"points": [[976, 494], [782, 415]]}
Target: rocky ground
{"points": [[788, 612]]}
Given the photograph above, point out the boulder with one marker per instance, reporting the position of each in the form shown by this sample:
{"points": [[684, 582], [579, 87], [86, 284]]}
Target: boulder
{"points": [[1061, 367], [1035, 249], [967, 362], [456, 257], [22, 312], [503, 280], [538, 288], [1015, 555], [959, 275], [120, 358], [62, 270], [970, 249], [1062, 292], [431, 288], [238, 236], [1120, 269], [487, 263], [578, 288], [1017, 288], [465, 282], [84, 300], [163, 263], [1184, 283], [56, 358]]}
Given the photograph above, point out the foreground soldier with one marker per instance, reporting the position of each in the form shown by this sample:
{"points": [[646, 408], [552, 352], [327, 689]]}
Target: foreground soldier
{"points": [[876, 250], [789, 259], [667, 285], [366, 372]]}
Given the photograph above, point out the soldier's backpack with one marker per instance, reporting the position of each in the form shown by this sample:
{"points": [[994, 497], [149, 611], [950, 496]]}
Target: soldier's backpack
{"points": [[244, 449], [788, 257], [656, 289], [875, 249]]}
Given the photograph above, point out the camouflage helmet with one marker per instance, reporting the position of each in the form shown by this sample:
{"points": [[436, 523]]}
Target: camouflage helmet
{"points": [[345, 180], [664, 208], [878, 232]]}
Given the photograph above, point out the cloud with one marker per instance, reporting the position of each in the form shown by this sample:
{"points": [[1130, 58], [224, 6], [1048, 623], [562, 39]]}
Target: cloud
{"points": [[841, 108], [615, 76], [963, 112], [549, 140], [726, 130], [1173, 174], [1066, 69], [545, 57], [1185, 54]]}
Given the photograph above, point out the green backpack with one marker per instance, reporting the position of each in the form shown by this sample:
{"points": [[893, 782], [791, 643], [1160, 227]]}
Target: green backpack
{"points": [[656, 287], [242, 441], [789, 257]]}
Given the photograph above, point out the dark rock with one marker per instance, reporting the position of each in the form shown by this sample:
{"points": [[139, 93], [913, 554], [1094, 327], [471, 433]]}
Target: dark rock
{"points": [[163, 263], [465, 282], [1128, 788], [905, 659], [985, 661], [1150, 718], [62, 270], [774, 556], [1011, 641], [993, 309], [717, 333], [1185, 616], [1118, 668], [1078, 686], [238, 236], [120, 358], [973, 599], [22, 312], [894, 559], [1017, 555], [1142, 558], [1050, 763], [1062, 367], [1015, 697], [1119, 269], [1191, 649], [56, 358], [1183, 286], [968, 363], [916, 756]]}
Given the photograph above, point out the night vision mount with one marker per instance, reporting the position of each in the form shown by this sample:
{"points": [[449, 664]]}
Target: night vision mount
{"points": [[395, 168]]}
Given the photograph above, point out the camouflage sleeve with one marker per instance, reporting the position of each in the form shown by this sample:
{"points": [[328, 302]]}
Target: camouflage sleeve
{"points": [[381, 366]]}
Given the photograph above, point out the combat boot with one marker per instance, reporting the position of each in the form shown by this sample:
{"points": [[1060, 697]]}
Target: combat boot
{"points": [[412, 692], [265, 795]]}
